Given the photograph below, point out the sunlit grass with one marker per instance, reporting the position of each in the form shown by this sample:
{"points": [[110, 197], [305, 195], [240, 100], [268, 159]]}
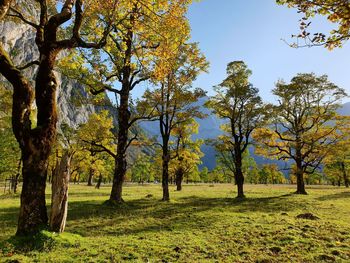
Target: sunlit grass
{"points": [[200, 224]]}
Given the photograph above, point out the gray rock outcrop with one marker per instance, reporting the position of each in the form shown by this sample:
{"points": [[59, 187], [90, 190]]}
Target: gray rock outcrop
{"points": [[19, 41]]}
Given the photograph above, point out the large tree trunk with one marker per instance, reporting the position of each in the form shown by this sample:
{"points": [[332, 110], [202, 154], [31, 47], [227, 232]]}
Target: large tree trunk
{"points": [[33, 213], [345, 175], [118, 179], [36, 145], [59, 199], [300, 180], [120, 160]]}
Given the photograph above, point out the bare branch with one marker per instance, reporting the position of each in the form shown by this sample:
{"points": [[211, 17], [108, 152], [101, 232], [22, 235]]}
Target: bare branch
{"points": [[19, 15], [32, 63]]}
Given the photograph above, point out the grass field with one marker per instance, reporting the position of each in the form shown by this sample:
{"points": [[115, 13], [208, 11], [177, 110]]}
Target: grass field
{"points": [[201, 224]]}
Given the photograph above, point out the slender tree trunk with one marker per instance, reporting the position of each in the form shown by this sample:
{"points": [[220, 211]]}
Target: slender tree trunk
{"points": [[91, 176], [16, 177], [345, 175], [179, 177], [238, 173], [165, 171], [124, 116], [98, 185], [59, 199], [120, 160]]}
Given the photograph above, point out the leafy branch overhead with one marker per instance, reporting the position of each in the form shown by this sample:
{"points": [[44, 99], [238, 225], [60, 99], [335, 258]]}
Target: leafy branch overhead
{"points": [[337, 12]]}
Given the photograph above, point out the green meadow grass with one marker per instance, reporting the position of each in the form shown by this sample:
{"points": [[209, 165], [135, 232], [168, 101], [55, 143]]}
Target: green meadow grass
{"points": [[202, 223]]}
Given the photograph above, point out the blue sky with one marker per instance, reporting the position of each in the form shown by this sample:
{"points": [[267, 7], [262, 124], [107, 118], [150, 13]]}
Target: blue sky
{"points": [[251, 30]]}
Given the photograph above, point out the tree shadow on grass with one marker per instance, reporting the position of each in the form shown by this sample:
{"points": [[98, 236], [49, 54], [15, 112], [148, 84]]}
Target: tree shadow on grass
{"points": [[336, 196], [94, 218], [43, 241], [39, 242], [186, 213]]}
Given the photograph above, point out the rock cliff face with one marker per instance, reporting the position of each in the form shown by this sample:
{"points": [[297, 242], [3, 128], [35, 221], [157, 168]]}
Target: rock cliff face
{"points": [[19, 39]]}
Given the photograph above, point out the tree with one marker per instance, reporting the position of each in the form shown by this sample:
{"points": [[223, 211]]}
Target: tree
{"points": [[337, 12], [216, 176], [250, 168], [188, 152], [141, 169], [61, 177], [96, 137], [172, 103], [36, 141], [270, 174], [204, 175], [127, 61], [238, 102], [305, 125], [338, 158]]}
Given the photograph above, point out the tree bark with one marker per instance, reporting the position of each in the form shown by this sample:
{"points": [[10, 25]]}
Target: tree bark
{"points": [[59, 199], [300, 180], [165, 171], [91, 176], [124, 116], [179, 178], [300, 169], [120, 160], [16, 177], [98, 185], [33, 213], [238, 173], [345, 175], [36, 145]]}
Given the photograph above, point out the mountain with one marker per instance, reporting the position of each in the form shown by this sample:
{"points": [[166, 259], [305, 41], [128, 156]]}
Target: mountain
{"points": [[20, 40], [209, 128], [345, 109]]}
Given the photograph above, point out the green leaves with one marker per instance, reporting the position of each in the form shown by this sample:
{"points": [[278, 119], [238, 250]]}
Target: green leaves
{"points": [[238, 102], [306, 125]]}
